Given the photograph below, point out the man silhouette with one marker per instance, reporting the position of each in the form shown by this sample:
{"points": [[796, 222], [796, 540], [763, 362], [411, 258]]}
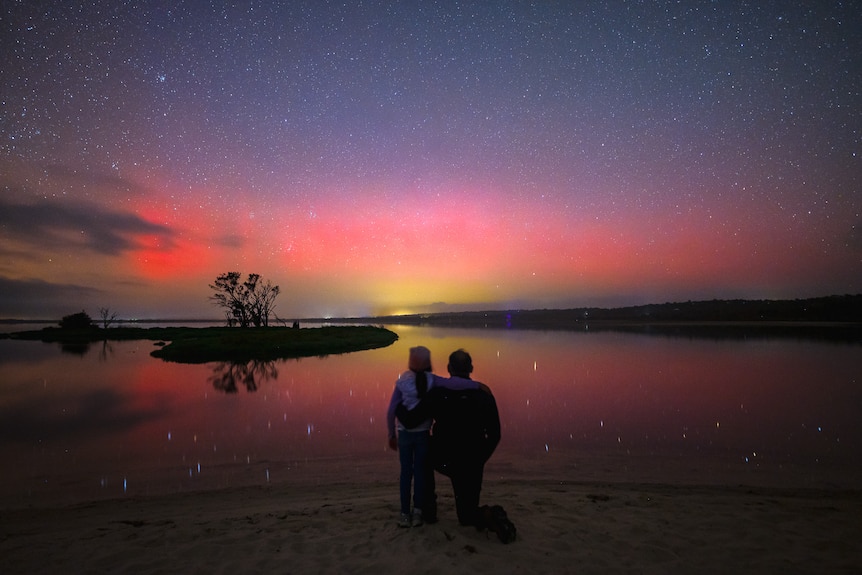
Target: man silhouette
{"points": [[466, 432]]}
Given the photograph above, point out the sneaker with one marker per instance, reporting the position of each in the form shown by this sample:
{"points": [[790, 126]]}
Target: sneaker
{"points": [[404, 520], [417, 518]]}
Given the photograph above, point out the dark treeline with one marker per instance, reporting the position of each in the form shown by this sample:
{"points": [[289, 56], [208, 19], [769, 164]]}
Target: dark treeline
{"points": [[845, 310]]}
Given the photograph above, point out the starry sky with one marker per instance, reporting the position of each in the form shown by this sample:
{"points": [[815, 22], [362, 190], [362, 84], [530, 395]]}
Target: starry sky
{"points": [[379, 157]]}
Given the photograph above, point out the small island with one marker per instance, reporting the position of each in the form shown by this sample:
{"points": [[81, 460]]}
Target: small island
{"points": [[248, 336], [207, 344]]}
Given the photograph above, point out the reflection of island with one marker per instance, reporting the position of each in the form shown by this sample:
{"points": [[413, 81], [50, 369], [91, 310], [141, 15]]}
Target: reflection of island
{"points": [[75, 348], [82, 348], [226, 374]]}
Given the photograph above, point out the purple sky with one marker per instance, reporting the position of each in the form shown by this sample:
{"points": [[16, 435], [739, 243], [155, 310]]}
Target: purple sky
{"points": [[383, 157]]}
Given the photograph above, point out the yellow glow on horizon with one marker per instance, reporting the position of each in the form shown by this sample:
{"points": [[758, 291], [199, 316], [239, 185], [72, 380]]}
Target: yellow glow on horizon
{"points": [[403, 297], [404, 311]]}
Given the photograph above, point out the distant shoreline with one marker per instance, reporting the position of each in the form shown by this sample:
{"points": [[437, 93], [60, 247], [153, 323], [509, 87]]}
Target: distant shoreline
{"points": [[12, 321], [833, 312], [838, 310]]}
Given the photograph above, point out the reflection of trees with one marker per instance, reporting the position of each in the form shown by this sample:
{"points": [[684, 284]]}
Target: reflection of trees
{"points": [[82, 348], [106, 351], [226, 375], [75, 348]]}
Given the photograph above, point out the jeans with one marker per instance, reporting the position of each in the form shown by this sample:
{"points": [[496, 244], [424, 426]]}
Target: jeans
{"points": [[413, 454]]}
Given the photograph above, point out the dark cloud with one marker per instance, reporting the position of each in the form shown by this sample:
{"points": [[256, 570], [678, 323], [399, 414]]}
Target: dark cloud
{"points": [[52, 225], [41, 299], [10, 255]]}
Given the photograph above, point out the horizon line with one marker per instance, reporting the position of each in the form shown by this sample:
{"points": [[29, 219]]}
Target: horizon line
{"points": [[325, 319]]}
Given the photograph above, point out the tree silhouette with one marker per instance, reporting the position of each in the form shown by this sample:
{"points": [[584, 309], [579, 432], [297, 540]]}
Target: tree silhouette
{"points": [[76, 321], [261, 299], [245, 303], [107, 316]]}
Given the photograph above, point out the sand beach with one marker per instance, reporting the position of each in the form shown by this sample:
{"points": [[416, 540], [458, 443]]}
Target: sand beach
{"points": [[350, 527]]}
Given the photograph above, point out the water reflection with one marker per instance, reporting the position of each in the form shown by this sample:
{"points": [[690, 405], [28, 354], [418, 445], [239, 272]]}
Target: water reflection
{"points": [[250, 374], [106, 351], [573, 406], [78, 348], [82, 348]]}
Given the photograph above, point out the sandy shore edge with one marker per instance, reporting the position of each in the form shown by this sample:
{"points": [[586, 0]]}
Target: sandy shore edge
{"points": [[563, 527]]}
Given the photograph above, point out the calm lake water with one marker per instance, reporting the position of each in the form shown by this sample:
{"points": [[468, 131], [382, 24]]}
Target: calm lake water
{"points": [[111, 421]]}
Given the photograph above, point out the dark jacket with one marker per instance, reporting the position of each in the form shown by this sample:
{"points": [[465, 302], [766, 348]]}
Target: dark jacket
{"points": [[466, 426]]}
